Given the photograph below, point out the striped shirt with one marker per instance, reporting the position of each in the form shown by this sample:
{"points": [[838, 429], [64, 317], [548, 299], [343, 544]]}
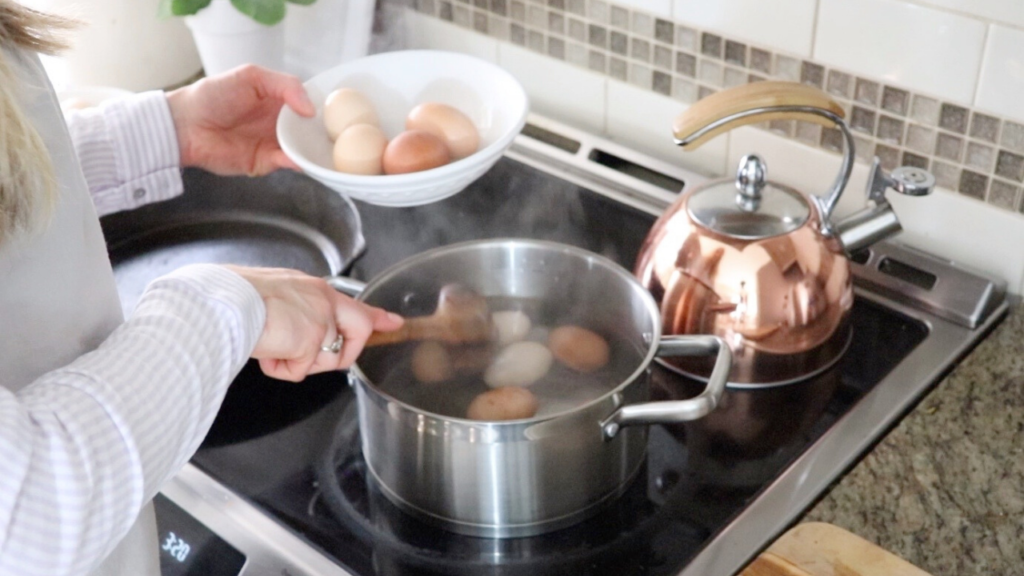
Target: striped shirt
{"points": [[96, 413]]}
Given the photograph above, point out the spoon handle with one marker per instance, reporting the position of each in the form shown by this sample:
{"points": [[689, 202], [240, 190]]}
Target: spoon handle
{"points": [[416, 328], [393, 337]]}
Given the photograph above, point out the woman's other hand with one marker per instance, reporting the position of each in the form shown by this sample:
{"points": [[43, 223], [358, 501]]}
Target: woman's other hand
{"points": [[226, 124], [304, 317]]}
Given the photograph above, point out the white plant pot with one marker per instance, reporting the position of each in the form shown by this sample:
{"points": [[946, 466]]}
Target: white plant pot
{"points": [[325, 34], [122, 44], [226, 38]]}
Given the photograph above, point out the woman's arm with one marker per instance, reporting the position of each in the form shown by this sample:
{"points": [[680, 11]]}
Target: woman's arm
{"points": [[131, 149], [128, 151], [85, 446]]}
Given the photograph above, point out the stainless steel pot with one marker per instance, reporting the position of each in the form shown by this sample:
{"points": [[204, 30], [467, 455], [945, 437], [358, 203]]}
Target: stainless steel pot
{"points": [[522, 477]]}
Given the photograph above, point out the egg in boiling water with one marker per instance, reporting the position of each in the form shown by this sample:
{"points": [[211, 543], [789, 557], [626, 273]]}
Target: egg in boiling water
{"points": [[431, 362], [518, 364], [413, 151], [345, 107], [359, 149], [507, 403], [448, 123], [578, 348], [511, 325]]}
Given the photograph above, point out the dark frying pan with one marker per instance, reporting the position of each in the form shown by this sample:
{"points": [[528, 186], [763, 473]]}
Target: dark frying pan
{"points": [[283, 220]]}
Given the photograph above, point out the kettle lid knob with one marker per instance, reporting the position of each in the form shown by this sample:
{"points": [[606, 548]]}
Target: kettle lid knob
{"points": [[749, 206], [750, 180]]}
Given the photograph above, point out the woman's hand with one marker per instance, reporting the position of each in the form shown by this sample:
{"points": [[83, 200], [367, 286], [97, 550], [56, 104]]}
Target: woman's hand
{"points": [[226, 124], [304, 316]]}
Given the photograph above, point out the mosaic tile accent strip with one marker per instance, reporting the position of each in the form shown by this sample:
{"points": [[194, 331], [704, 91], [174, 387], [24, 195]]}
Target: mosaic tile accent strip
{"points": [[975, 154]]}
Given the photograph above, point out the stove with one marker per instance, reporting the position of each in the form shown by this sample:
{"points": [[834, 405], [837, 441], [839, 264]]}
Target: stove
{"points": [[280, 485]]}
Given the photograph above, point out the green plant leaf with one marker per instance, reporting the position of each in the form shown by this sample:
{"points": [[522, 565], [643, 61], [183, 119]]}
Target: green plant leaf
{"points": [[181, 7], [268, 12], [303, 2]]}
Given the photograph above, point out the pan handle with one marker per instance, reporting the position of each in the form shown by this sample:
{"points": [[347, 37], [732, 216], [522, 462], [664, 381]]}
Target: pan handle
{"points": [[674, 411], [346, 285]]}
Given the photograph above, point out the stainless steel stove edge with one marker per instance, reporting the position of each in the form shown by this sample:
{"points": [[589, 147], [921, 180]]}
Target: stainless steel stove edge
{"points": [[782, 503], [576, 156]]}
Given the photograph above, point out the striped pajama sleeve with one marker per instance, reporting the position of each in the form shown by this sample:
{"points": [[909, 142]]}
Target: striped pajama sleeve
{"points": [[128, 150], [85, 446]]}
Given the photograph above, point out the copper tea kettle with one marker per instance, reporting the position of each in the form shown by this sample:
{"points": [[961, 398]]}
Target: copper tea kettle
{"points": [[758, 263]]}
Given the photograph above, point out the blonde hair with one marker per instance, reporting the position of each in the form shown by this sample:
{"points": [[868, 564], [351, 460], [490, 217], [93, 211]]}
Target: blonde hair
{"points": [[28, 186]]}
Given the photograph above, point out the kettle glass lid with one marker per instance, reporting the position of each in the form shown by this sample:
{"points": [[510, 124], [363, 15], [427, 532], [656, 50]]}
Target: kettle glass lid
{"points": [[749, 207]]}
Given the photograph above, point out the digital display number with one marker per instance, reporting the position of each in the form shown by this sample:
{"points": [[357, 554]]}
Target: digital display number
{"points": [[188, 548], [176, 547]]}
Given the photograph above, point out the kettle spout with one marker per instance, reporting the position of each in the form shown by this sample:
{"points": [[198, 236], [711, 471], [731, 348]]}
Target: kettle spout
{"points": [[870, 225], [878, 221]]}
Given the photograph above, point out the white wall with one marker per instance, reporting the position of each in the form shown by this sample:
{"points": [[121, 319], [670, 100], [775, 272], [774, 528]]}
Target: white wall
{"points": [[966, 51]]}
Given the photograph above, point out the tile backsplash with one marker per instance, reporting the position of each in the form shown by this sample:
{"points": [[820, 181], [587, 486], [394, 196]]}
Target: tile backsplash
{"points": [[937, 84], [978, 154]]}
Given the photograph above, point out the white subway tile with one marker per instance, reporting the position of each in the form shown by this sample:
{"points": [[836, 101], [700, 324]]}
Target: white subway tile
{"points": [[661, 8], [914, 46], [937, 224], [789, 29], [426, 32], [1001, 85], [1004, 11], [642, 120], [558, 90]]}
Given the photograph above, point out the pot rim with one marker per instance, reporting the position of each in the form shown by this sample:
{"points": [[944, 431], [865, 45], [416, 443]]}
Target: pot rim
{"points": [[653, 339]]}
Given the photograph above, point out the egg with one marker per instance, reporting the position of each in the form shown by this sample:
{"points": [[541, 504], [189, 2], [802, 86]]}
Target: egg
{"points": [[507, 403], [345, 107], [447, 123], [510, 325], [578, 348], [413, 151], [519, 364], [359, 149], [431, 362]]}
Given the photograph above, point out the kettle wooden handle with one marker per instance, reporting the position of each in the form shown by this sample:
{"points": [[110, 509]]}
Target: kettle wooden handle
{"points": [[770, 96]]}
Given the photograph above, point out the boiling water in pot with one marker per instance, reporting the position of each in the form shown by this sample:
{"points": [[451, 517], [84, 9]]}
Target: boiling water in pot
{"points": [[446, 379]]}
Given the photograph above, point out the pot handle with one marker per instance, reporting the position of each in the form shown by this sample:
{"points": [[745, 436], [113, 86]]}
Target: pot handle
{"points": [[762, 101], [345, 285], [674, 411]]}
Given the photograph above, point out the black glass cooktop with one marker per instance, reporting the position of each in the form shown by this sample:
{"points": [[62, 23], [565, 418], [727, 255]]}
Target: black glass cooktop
{"points": [[294, 451]]}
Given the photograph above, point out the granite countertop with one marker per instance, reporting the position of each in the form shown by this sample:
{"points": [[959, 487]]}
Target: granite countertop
{"points": [[945, 489]]}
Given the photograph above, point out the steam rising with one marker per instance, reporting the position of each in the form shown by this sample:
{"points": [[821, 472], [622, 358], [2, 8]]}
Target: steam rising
{"points": [[389, 26]]}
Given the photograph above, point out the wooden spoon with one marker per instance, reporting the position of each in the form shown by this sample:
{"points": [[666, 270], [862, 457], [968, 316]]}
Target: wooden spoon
{"points": [[462, 316]]}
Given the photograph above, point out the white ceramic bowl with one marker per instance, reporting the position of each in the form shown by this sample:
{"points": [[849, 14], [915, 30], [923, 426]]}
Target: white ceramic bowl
{"points": [[396, 82]]}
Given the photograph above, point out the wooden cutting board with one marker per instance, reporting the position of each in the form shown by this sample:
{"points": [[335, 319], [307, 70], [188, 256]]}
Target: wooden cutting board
{"points": [[820, 549]]}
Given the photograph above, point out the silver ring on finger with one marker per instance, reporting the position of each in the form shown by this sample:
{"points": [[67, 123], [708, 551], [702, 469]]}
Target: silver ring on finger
{"points": [[334, 347]]}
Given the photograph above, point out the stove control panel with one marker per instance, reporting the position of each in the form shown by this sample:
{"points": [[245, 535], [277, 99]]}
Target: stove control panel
{"points": [[187, 547], [207, 530]]}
